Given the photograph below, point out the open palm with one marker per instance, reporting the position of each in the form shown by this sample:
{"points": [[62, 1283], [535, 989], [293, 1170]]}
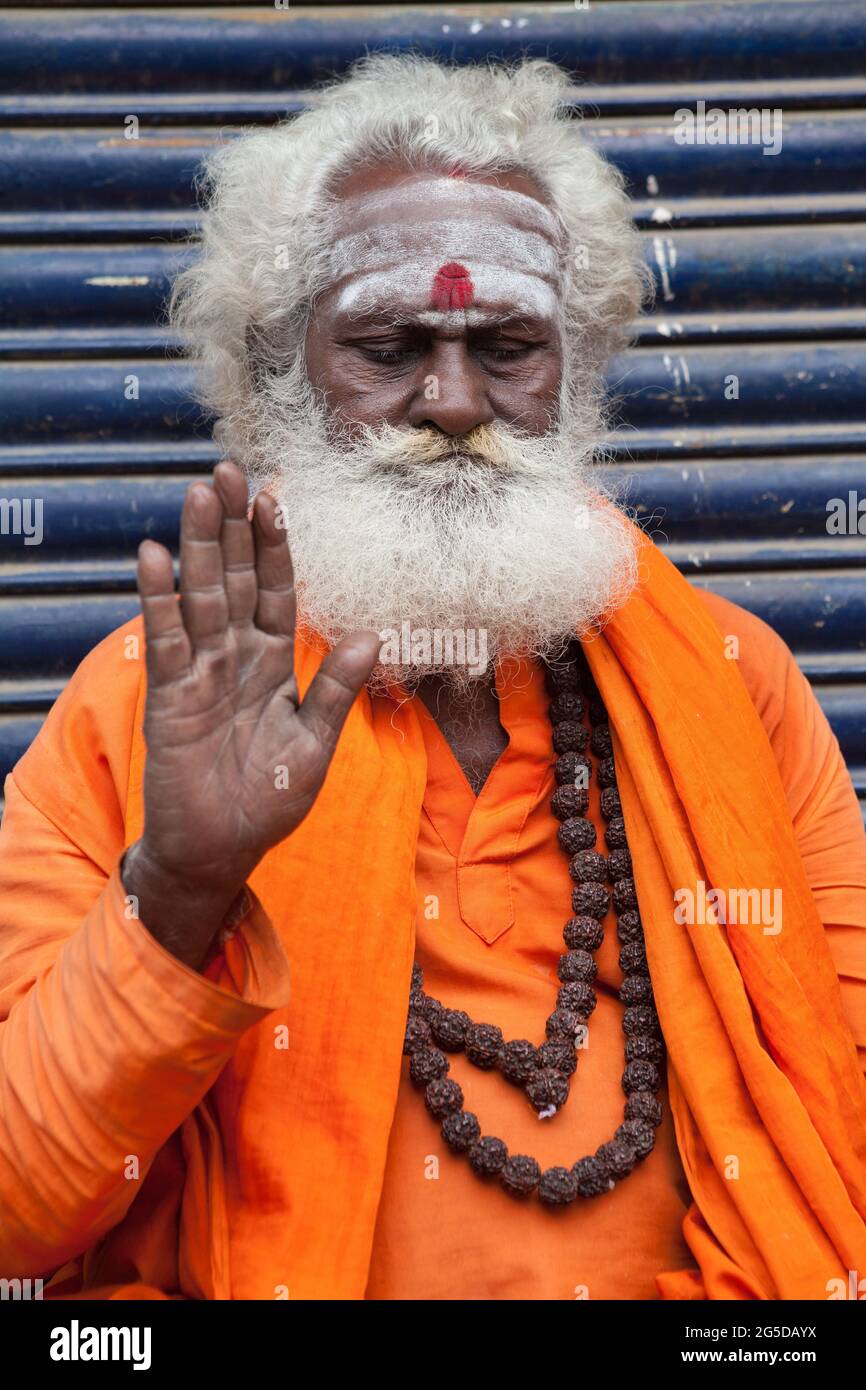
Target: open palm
{"points": [[234, 761]]}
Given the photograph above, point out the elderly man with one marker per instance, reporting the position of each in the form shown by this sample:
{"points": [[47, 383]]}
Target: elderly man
{"points": [[482, 939]]}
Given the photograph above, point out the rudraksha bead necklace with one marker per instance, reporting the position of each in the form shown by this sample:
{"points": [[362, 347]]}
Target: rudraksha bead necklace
{"points": [[544, 1071]]}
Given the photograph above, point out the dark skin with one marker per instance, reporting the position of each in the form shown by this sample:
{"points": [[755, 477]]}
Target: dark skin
{"points": [[370, 372], [235, 761]]}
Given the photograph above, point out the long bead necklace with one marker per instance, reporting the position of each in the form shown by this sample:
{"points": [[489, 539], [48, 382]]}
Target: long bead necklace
{"points": [[544, 1071]]}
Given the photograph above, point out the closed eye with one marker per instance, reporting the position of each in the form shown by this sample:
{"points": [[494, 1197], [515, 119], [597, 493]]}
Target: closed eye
{"points": [[505, 354], [389, 356]]}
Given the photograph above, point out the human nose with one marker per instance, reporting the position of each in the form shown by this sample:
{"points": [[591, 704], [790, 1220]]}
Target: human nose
{"points": [[453, 397]]}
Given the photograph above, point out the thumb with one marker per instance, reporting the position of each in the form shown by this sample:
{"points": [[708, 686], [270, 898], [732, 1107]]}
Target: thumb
{"points": [[336, 685]]}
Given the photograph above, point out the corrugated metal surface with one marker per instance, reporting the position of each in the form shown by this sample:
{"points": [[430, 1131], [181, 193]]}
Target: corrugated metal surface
{"points": [[759, 261]]}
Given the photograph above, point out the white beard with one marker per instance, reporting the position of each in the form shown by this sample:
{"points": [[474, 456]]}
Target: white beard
{"points": [[494, 533]]}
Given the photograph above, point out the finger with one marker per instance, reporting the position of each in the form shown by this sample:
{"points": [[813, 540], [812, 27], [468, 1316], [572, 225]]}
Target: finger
{"points": [[202, 582], [275, 610], [167, 648], [336, 685], [238, 546]]}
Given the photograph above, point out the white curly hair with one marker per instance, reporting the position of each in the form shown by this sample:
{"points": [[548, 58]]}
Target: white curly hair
{"points": [[243, 307]]}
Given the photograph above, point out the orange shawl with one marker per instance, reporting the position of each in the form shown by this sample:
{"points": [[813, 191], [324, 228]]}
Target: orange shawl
{"points": [[763, 1074]]}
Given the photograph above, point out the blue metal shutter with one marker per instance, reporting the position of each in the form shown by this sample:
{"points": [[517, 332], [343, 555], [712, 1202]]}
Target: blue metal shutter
{"points": [[759, 260]]}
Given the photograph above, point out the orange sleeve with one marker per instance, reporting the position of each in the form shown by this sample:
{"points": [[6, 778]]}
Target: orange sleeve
{"points": [[107, 1042], [824, 806]]}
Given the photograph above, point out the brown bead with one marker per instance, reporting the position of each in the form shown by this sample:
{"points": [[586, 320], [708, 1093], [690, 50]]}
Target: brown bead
{"points": [[429, 1008], [640, 1018], [520, 1175], [591, 1176], [573, 770], [444, 1095], [557, 1187], [614, 836], [484, 1043], [597, 709], [636, 989], [417, 1033], [583, 934], [547, 1087], [577, 997], [576, 834], [606, 773], [617, 1156], [639, 1135], [625, 895], [562, 1023], [642, 1105], [590, 900], [560, 1056], [567, 705], [577, 966], [569, 737], [569, 801], [460, 1130], [426, 1065], [588, 867], [601, 742], [488, 1157], [629, 927], [645, 1049], [564, 675], [632, 959], [619, 864], [610, 803], [638, 1076], [449, 1028], [517, 1060]]}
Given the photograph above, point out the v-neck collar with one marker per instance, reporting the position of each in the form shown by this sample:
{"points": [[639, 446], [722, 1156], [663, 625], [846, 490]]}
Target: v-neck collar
{"points": [[482, 832]]}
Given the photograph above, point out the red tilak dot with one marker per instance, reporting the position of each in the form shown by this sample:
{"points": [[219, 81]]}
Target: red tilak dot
{"points": [[452, 287]]}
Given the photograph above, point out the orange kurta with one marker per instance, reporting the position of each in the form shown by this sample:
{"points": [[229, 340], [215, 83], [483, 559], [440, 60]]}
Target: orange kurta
{"points": [[155, 1119], [491, 869], [493, 950]]}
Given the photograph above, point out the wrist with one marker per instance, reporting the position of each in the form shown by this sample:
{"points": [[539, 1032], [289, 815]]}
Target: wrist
{"points": [[183, 912], [203, 884]]}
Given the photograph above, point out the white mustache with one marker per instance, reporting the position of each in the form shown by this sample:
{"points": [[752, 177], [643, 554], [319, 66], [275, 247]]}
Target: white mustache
{"points": [[484, 444], [491, 532]]}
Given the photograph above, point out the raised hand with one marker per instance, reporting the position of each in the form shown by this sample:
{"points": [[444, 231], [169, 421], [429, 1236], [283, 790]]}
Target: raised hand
{"points": [[234, 761]]}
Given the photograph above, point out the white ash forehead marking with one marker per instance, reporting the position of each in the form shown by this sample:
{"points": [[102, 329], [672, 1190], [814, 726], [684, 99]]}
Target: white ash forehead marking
{"points": [[390, 266], [459, 319], [502, 203], [408, 288], [452, 240]]}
